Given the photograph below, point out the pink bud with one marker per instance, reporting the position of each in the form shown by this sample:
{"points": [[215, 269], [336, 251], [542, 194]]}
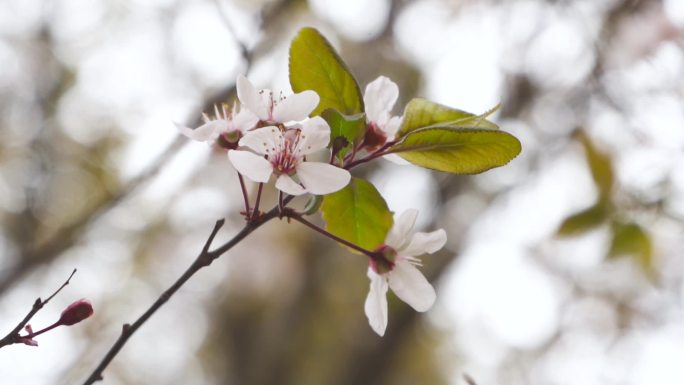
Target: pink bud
{"points": [[76, 312]]}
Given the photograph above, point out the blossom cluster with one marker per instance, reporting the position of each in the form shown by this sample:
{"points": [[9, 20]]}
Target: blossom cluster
{"points": [[268, 134]]}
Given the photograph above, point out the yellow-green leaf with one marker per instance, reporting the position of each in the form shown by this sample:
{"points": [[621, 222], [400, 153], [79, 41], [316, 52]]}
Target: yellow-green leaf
{"points": [[458, 151], [421, 113], [632, 240], [584, 220], [345, 131], [314, 65], [600, 164], [358, 214]]}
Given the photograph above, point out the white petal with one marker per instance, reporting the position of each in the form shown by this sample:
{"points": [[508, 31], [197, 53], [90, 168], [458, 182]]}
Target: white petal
{"points": [[244, 120], [322, 178], [265, 140], [250, 98], [204, 133], [251, 165], [315, 135], [286, 184], [296, 107], [391, 127], [409, 284], [399, 233], [379, 98], [376, 303], [396, 159], [422, 243]]}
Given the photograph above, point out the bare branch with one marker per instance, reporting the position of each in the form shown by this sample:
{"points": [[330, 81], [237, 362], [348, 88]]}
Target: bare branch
{"points": [[13, 336], [204, 259]]}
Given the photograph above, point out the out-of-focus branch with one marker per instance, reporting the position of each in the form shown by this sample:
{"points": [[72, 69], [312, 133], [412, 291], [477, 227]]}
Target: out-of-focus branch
{"points": [[13, 337]]}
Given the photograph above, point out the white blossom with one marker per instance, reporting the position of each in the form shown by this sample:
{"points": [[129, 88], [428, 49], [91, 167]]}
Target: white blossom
{"points": [[398, 270], [283, 153], [229, 123], [379, 97], [272, 109]]}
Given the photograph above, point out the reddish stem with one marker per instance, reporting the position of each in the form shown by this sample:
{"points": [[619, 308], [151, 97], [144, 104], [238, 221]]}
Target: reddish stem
{"points": [[39, 332], [376, 154], [255, 214], [244, 195], [297, 217]]}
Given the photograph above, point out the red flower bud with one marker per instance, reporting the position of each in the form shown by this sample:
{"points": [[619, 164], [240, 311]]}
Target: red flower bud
{"points": [[76, 312]]}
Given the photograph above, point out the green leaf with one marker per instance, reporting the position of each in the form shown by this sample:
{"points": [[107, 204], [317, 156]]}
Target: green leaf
{"points": [[583, 221], [351, 128], [631, 240], [358, 214], [458, 151], [421, 113], [314, 65], [600, 164]]}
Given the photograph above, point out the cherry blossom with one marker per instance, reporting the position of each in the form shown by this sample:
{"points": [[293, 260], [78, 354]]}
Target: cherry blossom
{"points": [[227, 126], [379, 98], [274, 110], [397, 270], [283, 152]]}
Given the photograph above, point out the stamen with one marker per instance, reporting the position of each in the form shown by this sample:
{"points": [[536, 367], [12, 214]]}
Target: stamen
{"points": [[414, 261]]}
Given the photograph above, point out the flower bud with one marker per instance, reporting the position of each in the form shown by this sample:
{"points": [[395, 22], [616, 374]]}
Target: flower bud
{"points": [[76, 312]]}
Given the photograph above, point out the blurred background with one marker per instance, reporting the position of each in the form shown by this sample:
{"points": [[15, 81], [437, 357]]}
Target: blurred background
{"points": [[564, 267]]}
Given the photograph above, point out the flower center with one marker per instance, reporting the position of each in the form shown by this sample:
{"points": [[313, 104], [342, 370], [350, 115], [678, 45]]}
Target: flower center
{"points": [[384, 260], [287, 156], [271, 102], [229, 140], [374, 137]]}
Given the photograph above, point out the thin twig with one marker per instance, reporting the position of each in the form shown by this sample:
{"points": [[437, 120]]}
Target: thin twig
{"points": [[281, 203], [378, 153], [255, 214], [204, 259], [244, 196], [298, 217], [13, 336]]}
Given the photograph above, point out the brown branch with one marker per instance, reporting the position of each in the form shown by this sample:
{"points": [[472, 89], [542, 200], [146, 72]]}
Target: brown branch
{"points": [[204, 259], [13, 336]]}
